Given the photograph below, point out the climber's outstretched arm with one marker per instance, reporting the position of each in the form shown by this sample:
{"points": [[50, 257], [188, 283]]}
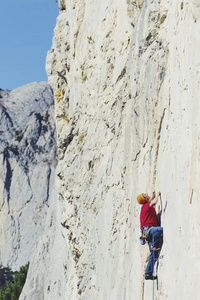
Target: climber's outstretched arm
{"points": [[154, 200]]}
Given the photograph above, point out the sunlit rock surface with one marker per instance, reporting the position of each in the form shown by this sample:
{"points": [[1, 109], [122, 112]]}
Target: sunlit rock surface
{"points": [[125, 75]]}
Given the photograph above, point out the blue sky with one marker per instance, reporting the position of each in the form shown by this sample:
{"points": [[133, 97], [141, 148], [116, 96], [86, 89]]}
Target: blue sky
{"points": [[26, 32]]}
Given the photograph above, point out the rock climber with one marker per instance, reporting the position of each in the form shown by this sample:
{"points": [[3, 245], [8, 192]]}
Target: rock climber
{"points": [[151, 231]]}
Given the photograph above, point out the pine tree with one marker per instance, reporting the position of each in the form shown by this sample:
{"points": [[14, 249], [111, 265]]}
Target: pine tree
{"points": [[12, 283]]}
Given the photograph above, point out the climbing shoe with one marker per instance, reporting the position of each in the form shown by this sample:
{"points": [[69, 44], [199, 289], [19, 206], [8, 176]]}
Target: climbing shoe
{"points": [[150, 277]]}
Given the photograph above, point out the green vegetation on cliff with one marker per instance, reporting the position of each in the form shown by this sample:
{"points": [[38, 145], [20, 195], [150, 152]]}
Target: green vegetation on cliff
{"points": [[11, 283]]}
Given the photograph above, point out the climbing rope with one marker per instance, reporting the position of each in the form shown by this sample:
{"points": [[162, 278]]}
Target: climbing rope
{"points": [[153, 266], [159, 257]]}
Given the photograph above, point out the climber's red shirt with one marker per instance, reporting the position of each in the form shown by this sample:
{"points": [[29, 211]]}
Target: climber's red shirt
{"points": [[148, 216]]}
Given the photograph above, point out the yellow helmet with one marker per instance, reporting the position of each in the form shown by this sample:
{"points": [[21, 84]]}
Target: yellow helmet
{"points": [[141, 199]]}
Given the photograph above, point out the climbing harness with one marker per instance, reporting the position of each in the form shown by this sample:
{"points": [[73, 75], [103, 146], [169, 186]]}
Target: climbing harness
{"points": [[153, 266], [145, 231], [144, 234]]}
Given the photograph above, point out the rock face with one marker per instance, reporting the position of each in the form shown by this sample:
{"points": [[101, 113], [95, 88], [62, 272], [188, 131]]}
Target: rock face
{"points": [[27, 163], [125, 76]]}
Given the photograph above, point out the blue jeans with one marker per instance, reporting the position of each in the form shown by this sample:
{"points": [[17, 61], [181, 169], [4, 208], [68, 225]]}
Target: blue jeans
{"points": [[155, 239]]}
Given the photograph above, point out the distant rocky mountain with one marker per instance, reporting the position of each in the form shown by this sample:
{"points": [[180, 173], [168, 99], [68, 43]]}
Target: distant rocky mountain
{"points": [[27, 163]]}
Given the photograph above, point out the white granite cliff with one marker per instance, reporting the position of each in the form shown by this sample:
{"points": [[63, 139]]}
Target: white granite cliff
{"points": [[27, 169], [126, 80]]}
